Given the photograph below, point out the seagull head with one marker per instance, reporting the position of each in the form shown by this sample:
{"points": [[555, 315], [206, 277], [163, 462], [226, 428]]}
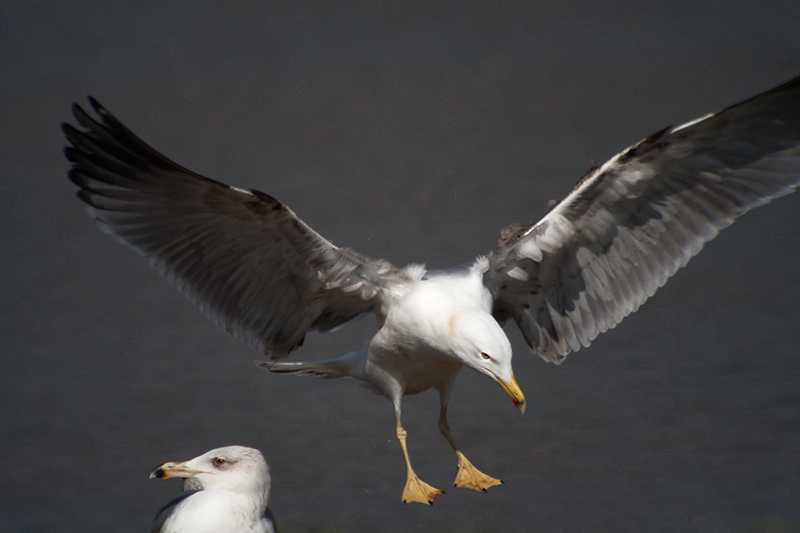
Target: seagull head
{"points": [[480, 343], [233, 469]]}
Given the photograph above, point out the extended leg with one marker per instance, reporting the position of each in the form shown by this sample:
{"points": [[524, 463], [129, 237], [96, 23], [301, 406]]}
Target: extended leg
{"points": [[468, 476], [416, 490]]}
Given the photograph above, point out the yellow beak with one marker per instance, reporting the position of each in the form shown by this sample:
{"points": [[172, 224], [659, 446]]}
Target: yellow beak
{"points": [[168, 470], [513, 390]]}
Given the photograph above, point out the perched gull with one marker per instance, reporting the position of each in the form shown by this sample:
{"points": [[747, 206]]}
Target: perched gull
{"points": [[230, 492], [257, 270]]}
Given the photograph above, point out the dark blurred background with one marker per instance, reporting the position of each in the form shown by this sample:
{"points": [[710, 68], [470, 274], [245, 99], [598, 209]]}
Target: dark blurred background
{"points": [[412, 131]]}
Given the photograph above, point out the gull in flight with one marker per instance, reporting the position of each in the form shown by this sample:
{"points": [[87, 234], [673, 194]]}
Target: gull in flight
{"points": [[257, 270], [229, 491]]}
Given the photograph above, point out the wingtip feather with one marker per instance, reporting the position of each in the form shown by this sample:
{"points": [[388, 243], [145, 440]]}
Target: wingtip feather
{"points": [[96, 105]]}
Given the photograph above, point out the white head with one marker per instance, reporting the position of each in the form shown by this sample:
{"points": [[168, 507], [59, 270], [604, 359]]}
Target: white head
{"points": [[478, 341], [233, 469]]}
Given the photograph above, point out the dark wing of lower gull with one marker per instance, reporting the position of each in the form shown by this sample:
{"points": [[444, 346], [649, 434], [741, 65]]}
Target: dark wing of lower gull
{"points": [[633, 222], [245, 259], [165, 512]]}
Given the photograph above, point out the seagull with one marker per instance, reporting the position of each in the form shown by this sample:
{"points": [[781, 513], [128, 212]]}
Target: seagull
{"points": [[258, 271], [229, 492]]}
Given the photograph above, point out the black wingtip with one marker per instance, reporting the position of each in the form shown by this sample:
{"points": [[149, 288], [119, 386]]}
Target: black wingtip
{"points": [[82, 116], [97, 106], [77, 110], [72, 154], [70, 131], [74, 176]]}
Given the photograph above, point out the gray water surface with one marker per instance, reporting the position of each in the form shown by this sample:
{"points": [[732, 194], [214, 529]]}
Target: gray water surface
{"points": [[414, 133]]}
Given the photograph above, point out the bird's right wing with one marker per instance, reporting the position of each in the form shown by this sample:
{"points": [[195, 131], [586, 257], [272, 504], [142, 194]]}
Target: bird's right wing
{"points": [[631, 223], [245, 259]]}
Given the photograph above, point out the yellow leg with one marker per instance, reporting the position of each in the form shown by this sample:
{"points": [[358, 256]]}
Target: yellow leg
{"points": [[468, 476], [415, 490]]}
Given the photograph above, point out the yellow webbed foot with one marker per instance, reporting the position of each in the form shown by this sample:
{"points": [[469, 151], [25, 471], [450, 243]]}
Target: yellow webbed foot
{"points": [[418, 491], [469, 477]]}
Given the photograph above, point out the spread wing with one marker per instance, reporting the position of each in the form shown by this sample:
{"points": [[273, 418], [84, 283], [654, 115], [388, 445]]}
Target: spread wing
{"points": [[245, 259], [630, 224]]}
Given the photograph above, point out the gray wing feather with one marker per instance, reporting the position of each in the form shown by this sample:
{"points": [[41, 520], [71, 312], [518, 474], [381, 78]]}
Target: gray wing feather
{"points": [[165, 512], [245, 259], [632, 223]]}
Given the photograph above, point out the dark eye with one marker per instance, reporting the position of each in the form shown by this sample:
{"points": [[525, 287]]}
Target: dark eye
{"points": [[486, 355], [219, 461]]}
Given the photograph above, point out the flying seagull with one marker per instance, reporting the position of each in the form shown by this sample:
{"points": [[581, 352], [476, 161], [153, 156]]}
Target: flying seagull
{"points": [[229, 492], [257, 270]]}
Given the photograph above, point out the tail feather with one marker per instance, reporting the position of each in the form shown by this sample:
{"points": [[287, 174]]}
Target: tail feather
{"points": [[332, 369]]}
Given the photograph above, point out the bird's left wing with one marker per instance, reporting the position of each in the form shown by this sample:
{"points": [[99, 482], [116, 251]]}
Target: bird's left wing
{"points": [[631, 223], [245, 259], [167, 511]]}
